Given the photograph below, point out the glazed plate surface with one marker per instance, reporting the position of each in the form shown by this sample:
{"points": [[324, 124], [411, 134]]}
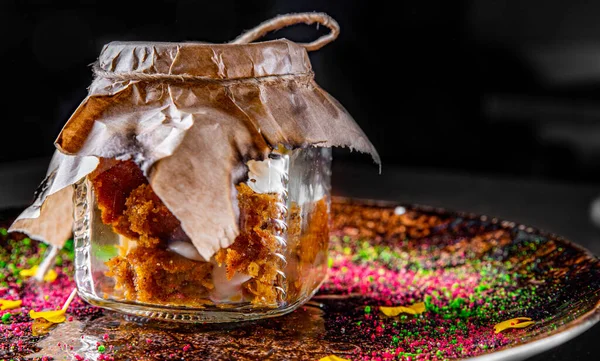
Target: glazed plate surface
{"points": [[457, 275]]}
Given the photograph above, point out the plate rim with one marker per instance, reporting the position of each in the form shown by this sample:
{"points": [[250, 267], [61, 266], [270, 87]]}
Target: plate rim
{"points": [[539, 343], [542, 343], [470, 215]]}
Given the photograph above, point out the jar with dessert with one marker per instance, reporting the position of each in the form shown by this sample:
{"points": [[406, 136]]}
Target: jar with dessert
{"points": [[196, 178]]}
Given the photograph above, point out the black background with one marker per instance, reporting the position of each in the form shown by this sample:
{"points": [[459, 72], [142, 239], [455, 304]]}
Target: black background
{"points": [[487, 87]]}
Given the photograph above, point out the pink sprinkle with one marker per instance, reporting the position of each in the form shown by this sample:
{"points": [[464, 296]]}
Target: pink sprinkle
{"points": [[186, 348]]}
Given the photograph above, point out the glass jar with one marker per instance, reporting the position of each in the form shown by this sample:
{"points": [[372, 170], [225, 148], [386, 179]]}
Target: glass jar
{"points": [[200, 177], [133, 256]]}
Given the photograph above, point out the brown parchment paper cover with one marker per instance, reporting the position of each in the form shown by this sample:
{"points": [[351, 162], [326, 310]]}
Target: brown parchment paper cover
{"points": [[190, 115]]}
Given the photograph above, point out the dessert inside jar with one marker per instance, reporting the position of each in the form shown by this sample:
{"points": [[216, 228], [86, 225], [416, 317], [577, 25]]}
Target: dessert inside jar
{"points": [[139, 252], [199, 178]]}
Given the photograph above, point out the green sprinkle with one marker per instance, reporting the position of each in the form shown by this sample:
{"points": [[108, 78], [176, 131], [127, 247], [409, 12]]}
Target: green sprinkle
{"points": [[26, 241], [367, 309], [395, 339], [101, 348], [330, 262], [6, 317], [12, 268], [3, 232], [69, 246], [407, 354], [457, 303], [481, 288]]}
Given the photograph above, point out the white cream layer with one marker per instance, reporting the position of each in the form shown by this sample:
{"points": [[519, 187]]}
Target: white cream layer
{"points": [[226, 290], [267, 176]]}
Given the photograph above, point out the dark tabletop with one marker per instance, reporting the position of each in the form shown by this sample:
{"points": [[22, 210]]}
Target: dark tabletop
{"points": [[560, 208]]}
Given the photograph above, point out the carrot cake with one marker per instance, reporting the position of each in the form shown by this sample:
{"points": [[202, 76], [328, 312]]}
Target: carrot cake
{"points": [[161, 266]]}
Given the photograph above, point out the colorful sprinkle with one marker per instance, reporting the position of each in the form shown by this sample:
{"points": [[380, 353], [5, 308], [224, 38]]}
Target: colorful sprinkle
{"points": [[50, 276], [50, 316], [517, 322], [9, 304], [415, 309], [57, 316], [469, 276], [333, 358], [40, 327]]}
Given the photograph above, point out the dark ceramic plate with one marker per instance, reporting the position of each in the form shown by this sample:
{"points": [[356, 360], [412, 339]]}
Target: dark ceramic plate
{"points": [[469, 272]]}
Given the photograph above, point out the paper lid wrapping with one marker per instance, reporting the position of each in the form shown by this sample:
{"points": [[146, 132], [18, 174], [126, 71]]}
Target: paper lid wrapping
{"points": [[190, 114]]}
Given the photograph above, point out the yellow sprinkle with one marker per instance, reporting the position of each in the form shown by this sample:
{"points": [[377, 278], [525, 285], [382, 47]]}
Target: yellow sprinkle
{"points": [[9, 305], [40, 327], [57, 316], [513, 323], [51, 316], [333, 358], [28, 272], [50, 276], [415, 309]]}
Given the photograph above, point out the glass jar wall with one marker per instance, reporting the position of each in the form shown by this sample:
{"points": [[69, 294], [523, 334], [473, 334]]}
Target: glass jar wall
{"points": [[133, 255]]}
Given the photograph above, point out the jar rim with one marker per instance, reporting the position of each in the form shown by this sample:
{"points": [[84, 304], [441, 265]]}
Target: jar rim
{"points": [[207, 60]]}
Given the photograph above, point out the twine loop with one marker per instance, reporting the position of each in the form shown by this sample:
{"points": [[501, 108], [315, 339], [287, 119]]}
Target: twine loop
{"points": [[283, 21]]}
